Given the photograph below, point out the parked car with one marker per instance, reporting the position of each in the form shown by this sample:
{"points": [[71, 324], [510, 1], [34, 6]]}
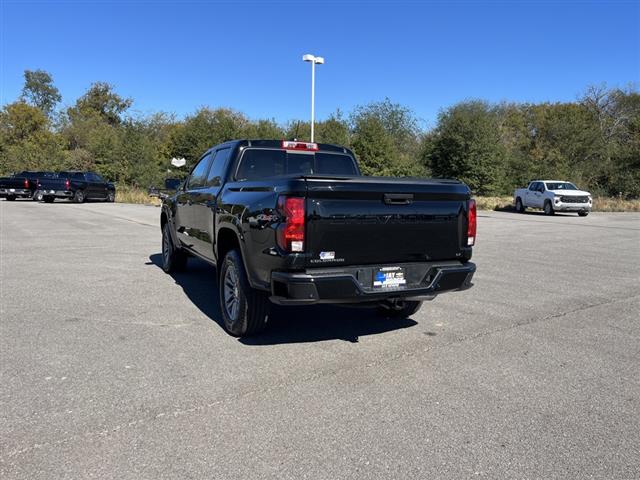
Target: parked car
{"points": [[295, 223], [553, 196], [22, 185], [77, 186]]}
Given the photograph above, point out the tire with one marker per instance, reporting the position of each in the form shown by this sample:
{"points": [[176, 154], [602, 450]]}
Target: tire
{"points": [[111, 197], [37, 196], [78, 197], [520, 208], [583, 214], [48, 199], [173, 259], [245, 310], [11, 198], [548, 208], [399, 309]]}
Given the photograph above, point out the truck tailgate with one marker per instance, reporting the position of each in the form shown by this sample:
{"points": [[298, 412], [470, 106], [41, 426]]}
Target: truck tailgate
{"points": [[364, 220], [53, 184], [14, 182]]}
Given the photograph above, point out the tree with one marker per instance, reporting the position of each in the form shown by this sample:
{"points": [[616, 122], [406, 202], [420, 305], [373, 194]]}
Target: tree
{"points": [[262, 130], [373, 146], [565, 142], [467, 146], [609, 109], [334, 129], [206, 128], [298, 129], [385, 137], [19, 121], [398, 121], [39, 91], [594, 141], [101, 100], [614, 167], [93, 131], [25, 140], [516, 136]]}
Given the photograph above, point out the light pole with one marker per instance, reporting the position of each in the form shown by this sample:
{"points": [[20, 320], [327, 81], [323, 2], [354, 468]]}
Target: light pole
{"points": [[319, 60]]}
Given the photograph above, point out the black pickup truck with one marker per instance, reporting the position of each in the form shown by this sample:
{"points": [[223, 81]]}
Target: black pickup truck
{"points": [[295, 223], [22, 185], [76, 186]]}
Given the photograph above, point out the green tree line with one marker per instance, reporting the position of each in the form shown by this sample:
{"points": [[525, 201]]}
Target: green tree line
{"points": [[594, 141]]}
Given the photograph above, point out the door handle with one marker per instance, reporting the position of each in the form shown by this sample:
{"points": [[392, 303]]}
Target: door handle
{"points": [[398, 198]]}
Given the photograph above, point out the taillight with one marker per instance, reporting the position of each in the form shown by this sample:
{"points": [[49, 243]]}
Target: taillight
{"points": [[290, 234], [472, 223], [26, 183], [67, 184]]}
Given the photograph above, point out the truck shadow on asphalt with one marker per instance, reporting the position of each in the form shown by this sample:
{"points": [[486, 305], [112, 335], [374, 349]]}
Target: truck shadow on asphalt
{"points": [[313, 323]]}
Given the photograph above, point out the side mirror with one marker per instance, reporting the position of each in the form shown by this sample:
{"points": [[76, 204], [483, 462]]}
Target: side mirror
{"points": [[172, 183]]}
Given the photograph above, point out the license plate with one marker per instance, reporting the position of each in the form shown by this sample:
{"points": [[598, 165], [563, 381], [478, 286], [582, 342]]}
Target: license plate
{"points": [[389, 277]]}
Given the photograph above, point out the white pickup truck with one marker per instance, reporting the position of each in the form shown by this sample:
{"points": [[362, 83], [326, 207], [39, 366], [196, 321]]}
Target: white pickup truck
{"points": [[553, 196]]}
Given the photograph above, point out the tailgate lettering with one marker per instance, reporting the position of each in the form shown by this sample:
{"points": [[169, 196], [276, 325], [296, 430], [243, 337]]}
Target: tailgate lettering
{"points": [[389, 219]]}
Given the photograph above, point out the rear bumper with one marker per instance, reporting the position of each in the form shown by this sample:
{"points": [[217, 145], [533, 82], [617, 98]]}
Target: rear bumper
{"points": [[56, 193], [15, 192], [354, 284]]}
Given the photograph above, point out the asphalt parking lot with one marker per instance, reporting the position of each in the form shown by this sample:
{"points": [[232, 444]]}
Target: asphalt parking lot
{"points": [[110, 368]]}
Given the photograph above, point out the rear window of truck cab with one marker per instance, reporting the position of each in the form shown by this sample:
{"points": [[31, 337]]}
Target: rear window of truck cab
{"points": [[561, 186], [258, 163], [71, 175]]}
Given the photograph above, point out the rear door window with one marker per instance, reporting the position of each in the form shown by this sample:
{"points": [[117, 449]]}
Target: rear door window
{"points": [[199, 173], [218, 167]]}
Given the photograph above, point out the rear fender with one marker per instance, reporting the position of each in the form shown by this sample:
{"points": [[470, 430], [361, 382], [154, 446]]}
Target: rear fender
{"points": [[167, 216], [241, 243]]}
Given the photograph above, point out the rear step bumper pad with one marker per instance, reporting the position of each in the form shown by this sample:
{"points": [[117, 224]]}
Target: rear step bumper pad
{"points": [[354, 284]]}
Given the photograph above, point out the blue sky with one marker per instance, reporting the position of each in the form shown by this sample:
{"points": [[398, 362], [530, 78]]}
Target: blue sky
{"points": [[177, 56]]}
